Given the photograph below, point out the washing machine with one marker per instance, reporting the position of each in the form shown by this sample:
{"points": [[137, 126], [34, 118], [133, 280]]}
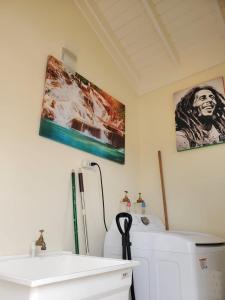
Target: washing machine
{"points": [[173, 265]]}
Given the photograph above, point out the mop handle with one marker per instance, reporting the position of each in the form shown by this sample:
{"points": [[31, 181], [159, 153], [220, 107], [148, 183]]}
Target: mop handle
{"points": [[76, 240], [163, 191], [81, 185]]}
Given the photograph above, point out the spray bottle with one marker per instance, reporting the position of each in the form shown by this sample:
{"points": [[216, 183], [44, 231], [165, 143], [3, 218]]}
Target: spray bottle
{"points": [[140, 205]]}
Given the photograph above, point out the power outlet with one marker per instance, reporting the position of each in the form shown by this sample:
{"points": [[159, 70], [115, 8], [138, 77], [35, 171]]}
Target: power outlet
{"points": [[86, 164]]}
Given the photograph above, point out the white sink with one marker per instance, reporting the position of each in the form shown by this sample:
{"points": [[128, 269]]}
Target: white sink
{"points": [[64, 277]]}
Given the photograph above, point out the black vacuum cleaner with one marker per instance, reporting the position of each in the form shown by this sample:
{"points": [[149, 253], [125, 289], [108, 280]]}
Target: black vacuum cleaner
{"points": [[126, 244]]}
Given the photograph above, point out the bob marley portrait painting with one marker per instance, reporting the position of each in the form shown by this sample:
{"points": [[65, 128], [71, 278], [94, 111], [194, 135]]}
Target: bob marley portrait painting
{"points": [[200, 115]]}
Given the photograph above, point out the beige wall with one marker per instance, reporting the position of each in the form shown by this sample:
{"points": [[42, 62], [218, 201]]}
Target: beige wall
{"points": [[194, 179], [35, 189]]}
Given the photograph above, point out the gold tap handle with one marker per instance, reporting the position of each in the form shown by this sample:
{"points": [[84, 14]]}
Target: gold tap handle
{"points": [[40, 240]]}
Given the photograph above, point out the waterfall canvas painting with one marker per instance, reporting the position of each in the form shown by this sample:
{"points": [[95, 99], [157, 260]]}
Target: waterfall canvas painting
{"points": [[77, 113]]}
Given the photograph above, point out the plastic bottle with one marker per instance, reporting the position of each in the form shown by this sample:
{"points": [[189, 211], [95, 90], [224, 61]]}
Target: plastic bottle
{"points": [[143, 206], [140, 205]]}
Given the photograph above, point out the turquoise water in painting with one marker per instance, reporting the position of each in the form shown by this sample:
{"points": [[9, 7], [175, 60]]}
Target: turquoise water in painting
{"points": [[77, 140]]}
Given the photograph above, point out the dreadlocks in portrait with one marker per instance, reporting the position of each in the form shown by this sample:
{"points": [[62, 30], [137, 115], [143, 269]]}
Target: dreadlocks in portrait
{"points": [[200, 118]]}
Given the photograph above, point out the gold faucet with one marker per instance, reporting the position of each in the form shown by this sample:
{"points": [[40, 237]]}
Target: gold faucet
{"points": [[40, 241]]}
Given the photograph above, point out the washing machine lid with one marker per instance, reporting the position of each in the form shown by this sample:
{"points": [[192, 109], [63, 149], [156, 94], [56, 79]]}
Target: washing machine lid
{"points": [[142, 223], [178, 241]]}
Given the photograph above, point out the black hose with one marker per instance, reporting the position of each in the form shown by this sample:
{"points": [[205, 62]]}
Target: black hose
{"points": [[103, 198]]}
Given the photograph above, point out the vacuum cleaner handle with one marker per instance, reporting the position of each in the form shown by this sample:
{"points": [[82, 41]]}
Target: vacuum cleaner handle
{"points": [[128, 223], [126, 241]]}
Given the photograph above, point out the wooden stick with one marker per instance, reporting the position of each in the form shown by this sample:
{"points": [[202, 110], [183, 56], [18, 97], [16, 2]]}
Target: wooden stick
{"points": [[163, 191]]}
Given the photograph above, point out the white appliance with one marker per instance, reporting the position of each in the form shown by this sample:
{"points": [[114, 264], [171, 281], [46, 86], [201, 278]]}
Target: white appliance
{"points": [[173, 265]]}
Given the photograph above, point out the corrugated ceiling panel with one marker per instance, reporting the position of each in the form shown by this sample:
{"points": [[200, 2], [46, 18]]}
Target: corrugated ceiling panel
{"points": [[161, 40], [187, 26], [106, 4], [166, 6], [126, 17], [132, 26], [185, 19], [140, 45], [117, 9]]}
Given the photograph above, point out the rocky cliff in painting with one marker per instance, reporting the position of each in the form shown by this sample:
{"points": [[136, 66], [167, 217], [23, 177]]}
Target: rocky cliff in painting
{"points": [[73, 102]]}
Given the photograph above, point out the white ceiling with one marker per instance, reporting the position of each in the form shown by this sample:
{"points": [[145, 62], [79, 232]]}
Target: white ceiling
{"points": [[157, 42]]}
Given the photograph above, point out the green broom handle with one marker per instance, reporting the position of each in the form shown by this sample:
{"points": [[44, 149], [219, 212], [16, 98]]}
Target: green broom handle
{"points": [[76, 240]]}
